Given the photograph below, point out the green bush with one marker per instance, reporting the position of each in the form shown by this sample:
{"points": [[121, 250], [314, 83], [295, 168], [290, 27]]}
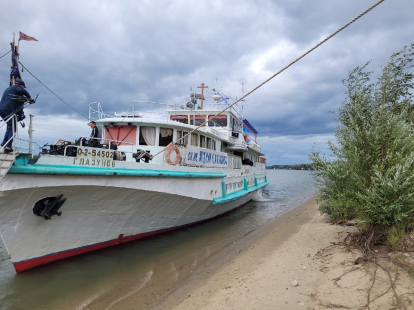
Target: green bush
{"points": [[370, 173]]}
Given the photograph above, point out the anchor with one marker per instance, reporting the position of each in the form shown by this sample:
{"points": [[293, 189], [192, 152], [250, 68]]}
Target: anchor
{"points": [[48, 206]]}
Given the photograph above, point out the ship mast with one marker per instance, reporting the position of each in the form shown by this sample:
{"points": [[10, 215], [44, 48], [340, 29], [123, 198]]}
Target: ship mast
{"points": [[15, 62]]}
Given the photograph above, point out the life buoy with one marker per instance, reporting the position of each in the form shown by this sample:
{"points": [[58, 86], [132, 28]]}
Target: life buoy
{"points": [[245, 137], [177, 155]]}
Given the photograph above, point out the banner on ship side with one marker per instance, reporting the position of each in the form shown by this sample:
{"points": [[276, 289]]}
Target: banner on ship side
{"points": [[203, 157]]}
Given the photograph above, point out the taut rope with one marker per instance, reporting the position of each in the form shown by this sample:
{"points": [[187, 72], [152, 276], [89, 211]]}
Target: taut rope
{"points": [[274, 75]]}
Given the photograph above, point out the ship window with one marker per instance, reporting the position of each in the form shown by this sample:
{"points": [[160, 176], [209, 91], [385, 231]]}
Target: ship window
{"points": [[194, 139], [180, 134], [147, 135], [125, 134], [208, 144], [219, 121], [197, 120], [180, 118], [213, 144], [165, 136], [235, 125], [202, 141]]}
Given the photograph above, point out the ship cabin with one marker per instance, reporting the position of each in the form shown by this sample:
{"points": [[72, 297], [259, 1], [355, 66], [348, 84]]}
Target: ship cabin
{"points": [[226, 140]]}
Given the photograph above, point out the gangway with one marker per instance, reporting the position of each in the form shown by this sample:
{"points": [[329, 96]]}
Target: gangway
{"points": [[6, 161]]}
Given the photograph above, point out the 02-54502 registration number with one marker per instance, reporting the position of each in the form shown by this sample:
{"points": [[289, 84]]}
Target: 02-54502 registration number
{"points": [[95, 153]]}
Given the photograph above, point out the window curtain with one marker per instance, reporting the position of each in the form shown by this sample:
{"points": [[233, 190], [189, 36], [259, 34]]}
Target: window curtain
{"points": [[194, 139], [166, 132], [202, 141], [209, 143], [148, 133]]}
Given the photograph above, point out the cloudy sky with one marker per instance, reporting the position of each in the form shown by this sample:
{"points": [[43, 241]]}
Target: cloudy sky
{"points": [[118, 51]]}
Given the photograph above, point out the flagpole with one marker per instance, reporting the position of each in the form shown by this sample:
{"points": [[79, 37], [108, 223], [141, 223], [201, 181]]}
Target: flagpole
{"points": [[16, 49], [13, 79]]}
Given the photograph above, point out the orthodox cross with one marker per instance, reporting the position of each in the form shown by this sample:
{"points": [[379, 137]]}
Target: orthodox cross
{"points": [[202, 91]]}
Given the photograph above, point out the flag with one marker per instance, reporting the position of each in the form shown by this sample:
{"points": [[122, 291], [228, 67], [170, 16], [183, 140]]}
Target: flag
{"points": [[14, 70], [223, 98], [26, 37]]}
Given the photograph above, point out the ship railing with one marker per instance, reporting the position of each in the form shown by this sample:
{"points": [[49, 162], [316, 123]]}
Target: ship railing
{"points": [[251, 181], [254, 146], [234, 186], [181, 103], [16, 140], [15, 131], [5, 161], [108, 142], [236, 109], [132, 107], [217, 133]]}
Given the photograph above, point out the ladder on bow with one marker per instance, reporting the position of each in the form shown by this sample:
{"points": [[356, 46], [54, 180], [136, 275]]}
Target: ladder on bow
{"points": [[6, 161]]}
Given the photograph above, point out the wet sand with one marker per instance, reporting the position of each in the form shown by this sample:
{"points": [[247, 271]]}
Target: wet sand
{"points": [[259, 271]]}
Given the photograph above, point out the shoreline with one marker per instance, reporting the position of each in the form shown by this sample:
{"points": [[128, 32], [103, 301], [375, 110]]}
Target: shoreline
{"points": [[291, 263]]}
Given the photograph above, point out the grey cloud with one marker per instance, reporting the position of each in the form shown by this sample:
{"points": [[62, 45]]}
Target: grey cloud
{"points": [[115, 52]]}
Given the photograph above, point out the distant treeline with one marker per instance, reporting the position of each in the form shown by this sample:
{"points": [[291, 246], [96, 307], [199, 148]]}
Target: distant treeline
{"points": [[292, 167]]}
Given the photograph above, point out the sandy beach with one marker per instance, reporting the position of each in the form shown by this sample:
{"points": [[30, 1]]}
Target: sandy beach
{"points": [[286, 264]]}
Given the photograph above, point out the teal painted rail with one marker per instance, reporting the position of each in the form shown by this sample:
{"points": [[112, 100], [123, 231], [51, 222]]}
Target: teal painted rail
{"points": [[73, 170], [240, 193]]}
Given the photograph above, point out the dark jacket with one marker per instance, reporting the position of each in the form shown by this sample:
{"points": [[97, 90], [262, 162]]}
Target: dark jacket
{"points": [[10, 102], [94, 133]]}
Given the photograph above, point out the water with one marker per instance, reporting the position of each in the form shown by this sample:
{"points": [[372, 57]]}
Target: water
{"points": [[146, 268]]}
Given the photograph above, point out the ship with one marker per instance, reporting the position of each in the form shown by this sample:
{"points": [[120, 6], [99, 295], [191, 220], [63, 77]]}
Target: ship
{"points": [[144, 174]]}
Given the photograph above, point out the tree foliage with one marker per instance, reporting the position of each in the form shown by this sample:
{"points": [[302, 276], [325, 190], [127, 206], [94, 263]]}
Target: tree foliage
{"points": [[370, 173]]}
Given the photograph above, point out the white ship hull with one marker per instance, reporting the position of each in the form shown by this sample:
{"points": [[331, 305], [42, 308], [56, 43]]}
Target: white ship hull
{"points": [[101, 212]]}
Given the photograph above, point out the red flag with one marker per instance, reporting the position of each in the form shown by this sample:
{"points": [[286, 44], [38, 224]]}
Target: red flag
{"points": [[25, 37]]}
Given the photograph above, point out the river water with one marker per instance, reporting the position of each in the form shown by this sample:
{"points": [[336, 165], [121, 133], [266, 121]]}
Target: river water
{"points": [[146, 268]]}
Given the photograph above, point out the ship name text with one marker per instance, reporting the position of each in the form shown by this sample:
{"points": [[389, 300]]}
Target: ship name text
{"points": [[93, 162]]}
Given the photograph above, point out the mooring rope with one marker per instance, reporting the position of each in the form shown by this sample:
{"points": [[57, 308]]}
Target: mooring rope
{"points": [[5, 54], [273, 76], [53, 92]]}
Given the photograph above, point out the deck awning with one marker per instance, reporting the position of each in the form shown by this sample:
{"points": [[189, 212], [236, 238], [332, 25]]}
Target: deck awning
{"points": [[246, 122]]}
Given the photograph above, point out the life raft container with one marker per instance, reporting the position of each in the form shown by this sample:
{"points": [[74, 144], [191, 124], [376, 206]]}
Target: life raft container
{"points": [[168, 155]]}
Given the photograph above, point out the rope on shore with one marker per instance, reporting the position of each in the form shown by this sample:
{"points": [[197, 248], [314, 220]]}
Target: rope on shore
{"points": [[54, 93], [273, 76]]}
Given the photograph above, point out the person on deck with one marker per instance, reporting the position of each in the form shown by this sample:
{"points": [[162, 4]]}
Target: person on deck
{"points": [[93, 141], [94, 133], [11, 103]]}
